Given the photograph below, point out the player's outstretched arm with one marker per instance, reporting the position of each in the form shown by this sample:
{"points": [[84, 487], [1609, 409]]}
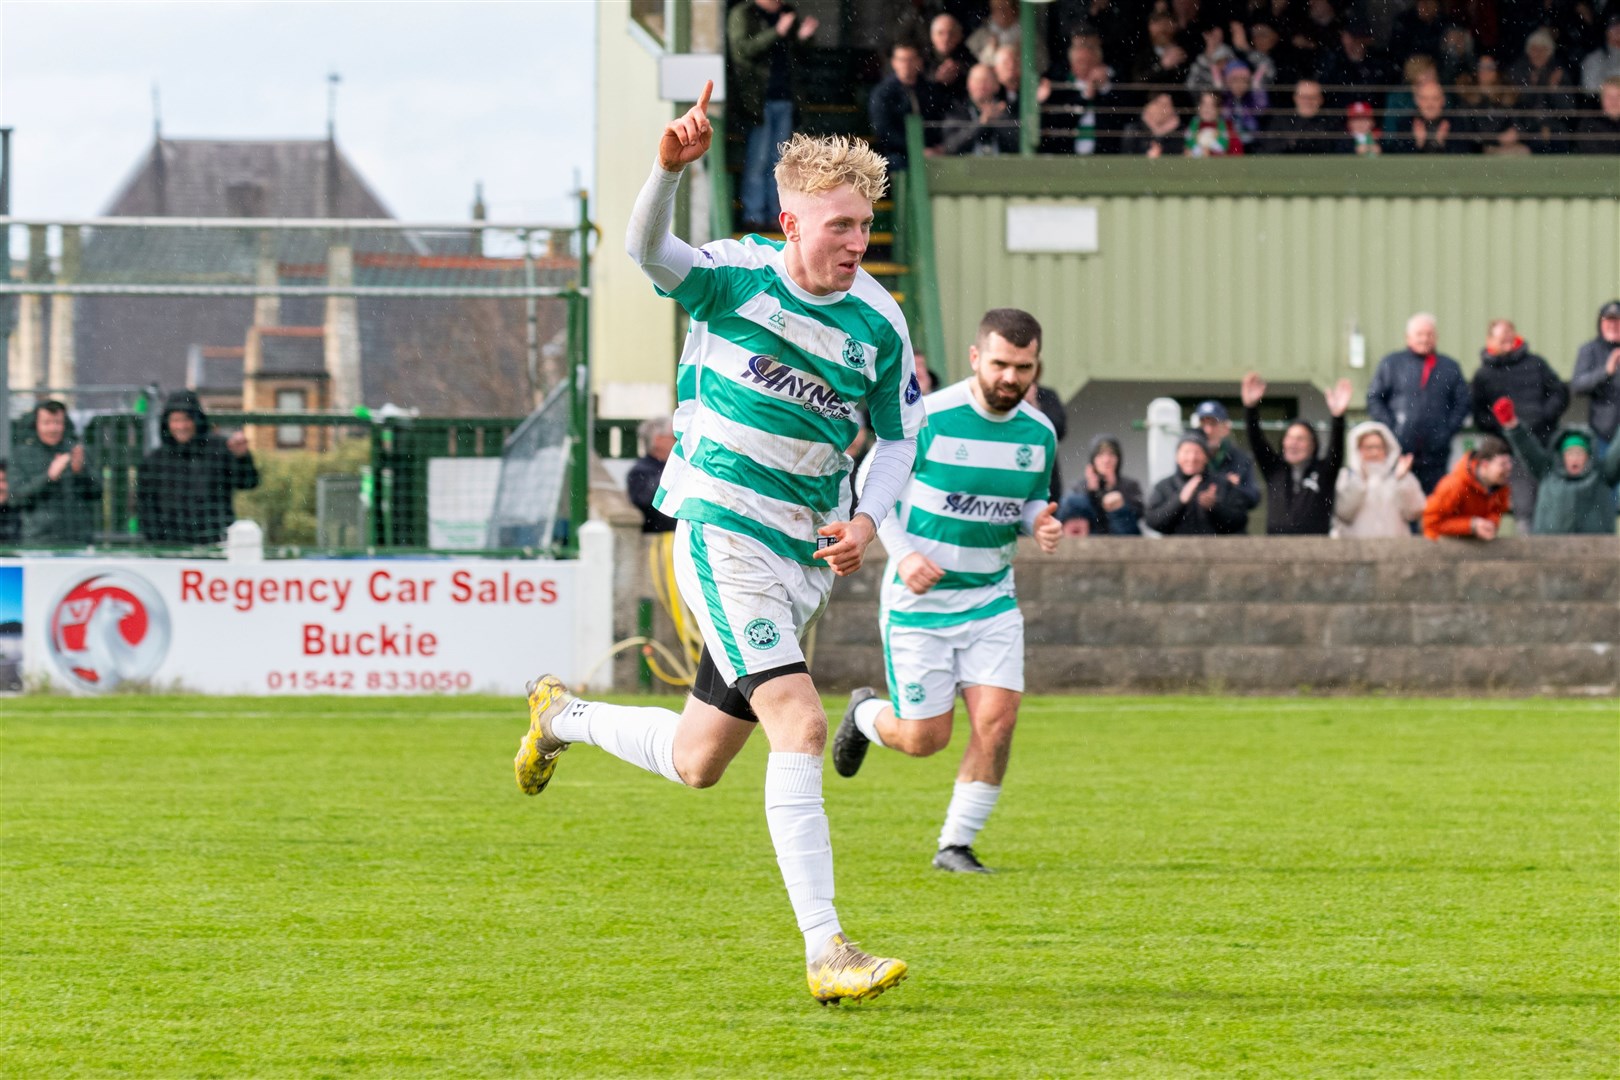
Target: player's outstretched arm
{"points": [[663, 256]]}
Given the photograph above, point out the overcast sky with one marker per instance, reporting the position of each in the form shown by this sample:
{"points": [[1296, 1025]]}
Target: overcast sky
{"points": [[433, 97]]}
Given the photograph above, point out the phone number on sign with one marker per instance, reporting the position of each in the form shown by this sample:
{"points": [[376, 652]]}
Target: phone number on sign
{"points": [[348, 681]]}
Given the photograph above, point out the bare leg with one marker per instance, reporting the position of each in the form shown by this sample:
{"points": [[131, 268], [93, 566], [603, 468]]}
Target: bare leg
{"points": [[706, 741], [992, 714], [916, 738]]}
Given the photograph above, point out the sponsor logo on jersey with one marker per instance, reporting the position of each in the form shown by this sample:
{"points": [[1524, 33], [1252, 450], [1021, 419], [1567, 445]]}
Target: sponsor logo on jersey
{"points": [[914, 693], [977, 506], [778, 320], [913, 390], [961, 452], [1025, 457], [854, 353], [108, 628], [761, 634], [785, 382]]}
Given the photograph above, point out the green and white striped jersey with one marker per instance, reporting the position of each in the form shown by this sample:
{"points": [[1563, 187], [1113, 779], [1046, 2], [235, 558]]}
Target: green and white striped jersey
{"points": [[979, 480], [766, 393]]}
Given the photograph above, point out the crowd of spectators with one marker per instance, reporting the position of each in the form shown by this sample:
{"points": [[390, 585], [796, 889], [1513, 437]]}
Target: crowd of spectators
{"points": [[51, 488], [1214, 78], [1394, 471]]}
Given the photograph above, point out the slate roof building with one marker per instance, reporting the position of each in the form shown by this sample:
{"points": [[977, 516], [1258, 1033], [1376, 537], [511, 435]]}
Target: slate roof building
{"points": [[444, 356]]}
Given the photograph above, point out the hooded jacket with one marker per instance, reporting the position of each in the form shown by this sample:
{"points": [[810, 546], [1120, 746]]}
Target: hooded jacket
{"points": [[184, 491], [1370, 501], [1166, 513], [63, 511], [1086, 502], [1592, 379], [1423, 417], [1459, 499], [1569, 504], [1298, 502], [1538, 394]]}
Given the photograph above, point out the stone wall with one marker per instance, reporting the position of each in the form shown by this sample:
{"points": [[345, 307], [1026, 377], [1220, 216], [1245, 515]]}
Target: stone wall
{"points": [[1536, 615]]}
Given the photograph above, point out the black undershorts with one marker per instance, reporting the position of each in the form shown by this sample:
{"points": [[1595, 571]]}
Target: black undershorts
{"points": [[710, 687]]}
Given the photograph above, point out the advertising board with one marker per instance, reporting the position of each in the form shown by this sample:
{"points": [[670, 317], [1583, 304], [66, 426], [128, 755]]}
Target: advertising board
{"points": [[294, 627]]}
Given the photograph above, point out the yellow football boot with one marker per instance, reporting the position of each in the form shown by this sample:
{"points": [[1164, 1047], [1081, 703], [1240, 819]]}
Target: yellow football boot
{"points": [[844, 971], [538, 752]]}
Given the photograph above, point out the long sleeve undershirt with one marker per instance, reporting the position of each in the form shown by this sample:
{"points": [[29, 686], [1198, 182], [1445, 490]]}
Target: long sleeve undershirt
{"points": [[662, 256], [666, 259]]}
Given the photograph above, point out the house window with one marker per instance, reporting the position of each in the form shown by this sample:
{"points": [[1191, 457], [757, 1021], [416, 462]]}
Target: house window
{"points": [[650, 16], [290, 435]]}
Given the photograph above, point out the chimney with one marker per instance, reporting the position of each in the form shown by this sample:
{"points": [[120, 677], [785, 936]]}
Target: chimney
{"points": [[342, 329], [63, 360]]}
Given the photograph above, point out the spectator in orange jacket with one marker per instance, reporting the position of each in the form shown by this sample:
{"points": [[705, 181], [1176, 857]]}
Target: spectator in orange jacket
{"points": [[1471, 500]]}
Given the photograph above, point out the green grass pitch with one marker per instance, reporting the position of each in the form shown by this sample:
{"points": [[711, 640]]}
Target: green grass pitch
{"points": [[319, 887]]}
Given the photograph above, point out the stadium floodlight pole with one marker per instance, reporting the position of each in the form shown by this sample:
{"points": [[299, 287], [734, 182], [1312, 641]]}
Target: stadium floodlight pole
{"points": [[8, 304], [1029, 80]]}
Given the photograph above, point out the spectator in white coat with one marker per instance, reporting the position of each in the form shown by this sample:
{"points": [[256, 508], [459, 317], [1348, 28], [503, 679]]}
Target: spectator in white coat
{"points": [[1376, 494]]}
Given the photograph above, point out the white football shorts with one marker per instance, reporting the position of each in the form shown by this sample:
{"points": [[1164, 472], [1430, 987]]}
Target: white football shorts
{"points": [[926, 667], [753, 605]]}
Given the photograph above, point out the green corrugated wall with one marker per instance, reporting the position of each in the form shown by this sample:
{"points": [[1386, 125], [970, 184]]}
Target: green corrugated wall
{"points": [[1206, 287]]}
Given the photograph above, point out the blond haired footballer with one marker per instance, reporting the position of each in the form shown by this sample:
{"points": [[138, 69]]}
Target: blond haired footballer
{"points": [[787, 340]]}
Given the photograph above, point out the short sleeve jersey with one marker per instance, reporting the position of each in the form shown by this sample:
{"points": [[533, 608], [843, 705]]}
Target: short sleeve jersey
{"points": [[767, 391], [964, 506]]}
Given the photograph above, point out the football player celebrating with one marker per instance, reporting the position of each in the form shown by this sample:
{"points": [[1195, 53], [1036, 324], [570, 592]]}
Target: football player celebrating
{"points": [[950, 613], [787, 340]]}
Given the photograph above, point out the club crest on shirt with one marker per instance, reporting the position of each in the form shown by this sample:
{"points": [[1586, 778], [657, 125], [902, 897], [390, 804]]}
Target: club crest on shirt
{"points": [[854, 353], [1025, 457], [762, 634]]}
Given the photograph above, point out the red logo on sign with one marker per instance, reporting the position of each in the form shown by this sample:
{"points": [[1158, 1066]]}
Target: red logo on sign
{"points": [[107, 629]]}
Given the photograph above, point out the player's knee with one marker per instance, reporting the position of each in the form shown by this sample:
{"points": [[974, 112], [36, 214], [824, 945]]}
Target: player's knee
{"points": [[701, 776], [925, 737]]}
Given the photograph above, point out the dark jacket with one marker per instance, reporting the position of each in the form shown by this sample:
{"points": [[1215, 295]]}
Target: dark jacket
{"points": [[1599, 135], [1296, 134], [1139, 140], [1539, 396], [1593, 380], [1564, 503], [1051, 406], [891, 102], [641, 484], [1302, 505], [964, 134], [1461, 136], [1231, 458], [1423, 417], [63, 511], [753, 47], [1067, 108], [1086, 501], [1166, 513], [183, 494], [10, 524]]}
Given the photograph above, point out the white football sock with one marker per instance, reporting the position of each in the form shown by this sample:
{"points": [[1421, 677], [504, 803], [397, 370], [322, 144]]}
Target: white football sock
{"points": [[645, 737], [798, 824], [866, 714], [970, 808]]}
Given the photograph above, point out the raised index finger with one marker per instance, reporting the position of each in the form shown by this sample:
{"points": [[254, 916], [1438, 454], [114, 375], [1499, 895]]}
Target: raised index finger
{"points": [[703, 101]]}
